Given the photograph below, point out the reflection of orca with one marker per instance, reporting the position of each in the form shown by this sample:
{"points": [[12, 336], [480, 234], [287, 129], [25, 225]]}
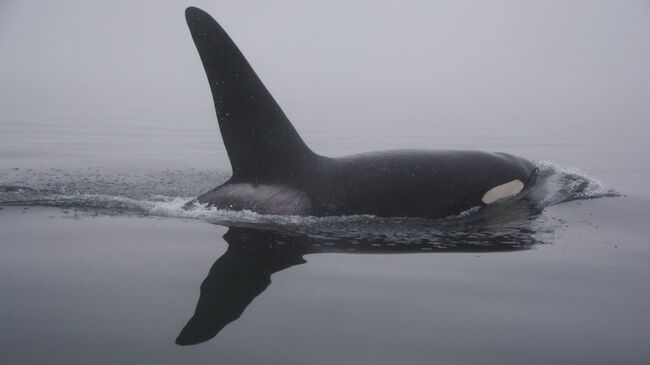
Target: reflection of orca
{"points": [[274, 172], [245, 270]]}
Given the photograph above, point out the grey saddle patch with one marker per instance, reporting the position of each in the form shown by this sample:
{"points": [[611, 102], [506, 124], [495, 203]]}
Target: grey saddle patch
{"points": [[262, 198]]}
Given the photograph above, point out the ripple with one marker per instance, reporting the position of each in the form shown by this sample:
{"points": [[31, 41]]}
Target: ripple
{"points": [[164, 193]]}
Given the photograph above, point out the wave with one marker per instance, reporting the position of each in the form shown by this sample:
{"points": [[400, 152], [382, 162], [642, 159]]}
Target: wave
{"points": [[164, 193], [556, 185]]}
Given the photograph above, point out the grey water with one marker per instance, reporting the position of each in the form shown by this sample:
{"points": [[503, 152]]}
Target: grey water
{"points": [[106, 133]]}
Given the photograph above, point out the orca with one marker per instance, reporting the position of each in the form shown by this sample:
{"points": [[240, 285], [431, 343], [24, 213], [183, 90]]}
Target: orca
{"points": [[274, 172]]}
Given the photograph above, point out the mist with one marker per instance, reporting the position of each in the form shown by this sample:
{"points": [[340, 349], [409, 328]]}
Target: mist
{"points": [[108, 134], [352, 77], [496, 61]]}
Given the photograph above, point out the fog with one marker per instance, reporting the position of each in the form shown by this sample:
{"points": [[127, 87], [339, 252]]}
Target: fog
{"points": [[352, 76], [497, 60], [105, 108]]}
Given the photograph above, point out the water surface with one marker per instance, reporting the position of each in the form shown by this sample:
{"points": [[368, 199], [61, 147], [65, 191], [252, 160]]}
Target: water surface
{"points": [[99, 152]]}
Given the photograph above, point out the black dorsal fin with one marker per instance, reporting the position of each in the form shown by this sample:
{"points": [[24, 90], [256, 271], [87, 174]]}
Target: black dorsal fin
{"points": [[259, 138]]}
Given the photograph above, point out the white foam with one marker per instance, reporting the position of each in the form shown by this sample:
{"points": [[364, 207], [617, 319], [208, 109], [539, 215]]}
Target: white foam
{"points": [[165, 194], [557, 184]]}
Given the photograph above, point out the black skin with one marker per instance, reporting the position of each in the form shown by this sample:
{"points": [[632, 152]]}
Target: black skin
{"points": [[428, 184], [274, 172]]}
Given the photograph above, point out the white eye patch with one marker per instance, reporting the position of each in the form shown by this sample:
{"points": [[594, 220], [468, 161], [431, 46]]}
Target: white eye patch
{"points": [[502, 191]]}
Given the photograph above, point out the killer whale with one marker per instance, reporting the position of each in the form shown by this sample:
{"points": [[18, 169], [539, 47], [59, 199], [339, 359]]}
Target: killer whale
{"points": [[275, 172]]}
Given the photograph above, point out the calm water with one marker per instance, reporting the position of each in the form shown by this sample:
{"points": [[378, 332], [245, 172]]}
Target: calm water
{"points": [[100, 263], [106, 133]]}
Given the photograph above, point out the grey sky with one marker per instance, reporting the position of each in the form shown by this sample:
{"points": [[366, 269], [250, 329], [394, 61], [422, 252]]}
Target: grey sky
{"points": [[525, 61]]}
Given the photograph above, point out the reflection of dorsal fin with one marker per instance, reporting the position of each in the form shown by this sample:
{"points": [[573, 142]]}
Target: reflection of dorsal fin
{"points": [[236, 279], [259, 138]]}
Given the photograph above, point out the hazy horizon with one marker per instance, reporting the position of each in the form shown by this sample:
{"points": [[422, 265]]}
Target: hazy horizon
{"points": [[108, 131], [583, 61]]}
